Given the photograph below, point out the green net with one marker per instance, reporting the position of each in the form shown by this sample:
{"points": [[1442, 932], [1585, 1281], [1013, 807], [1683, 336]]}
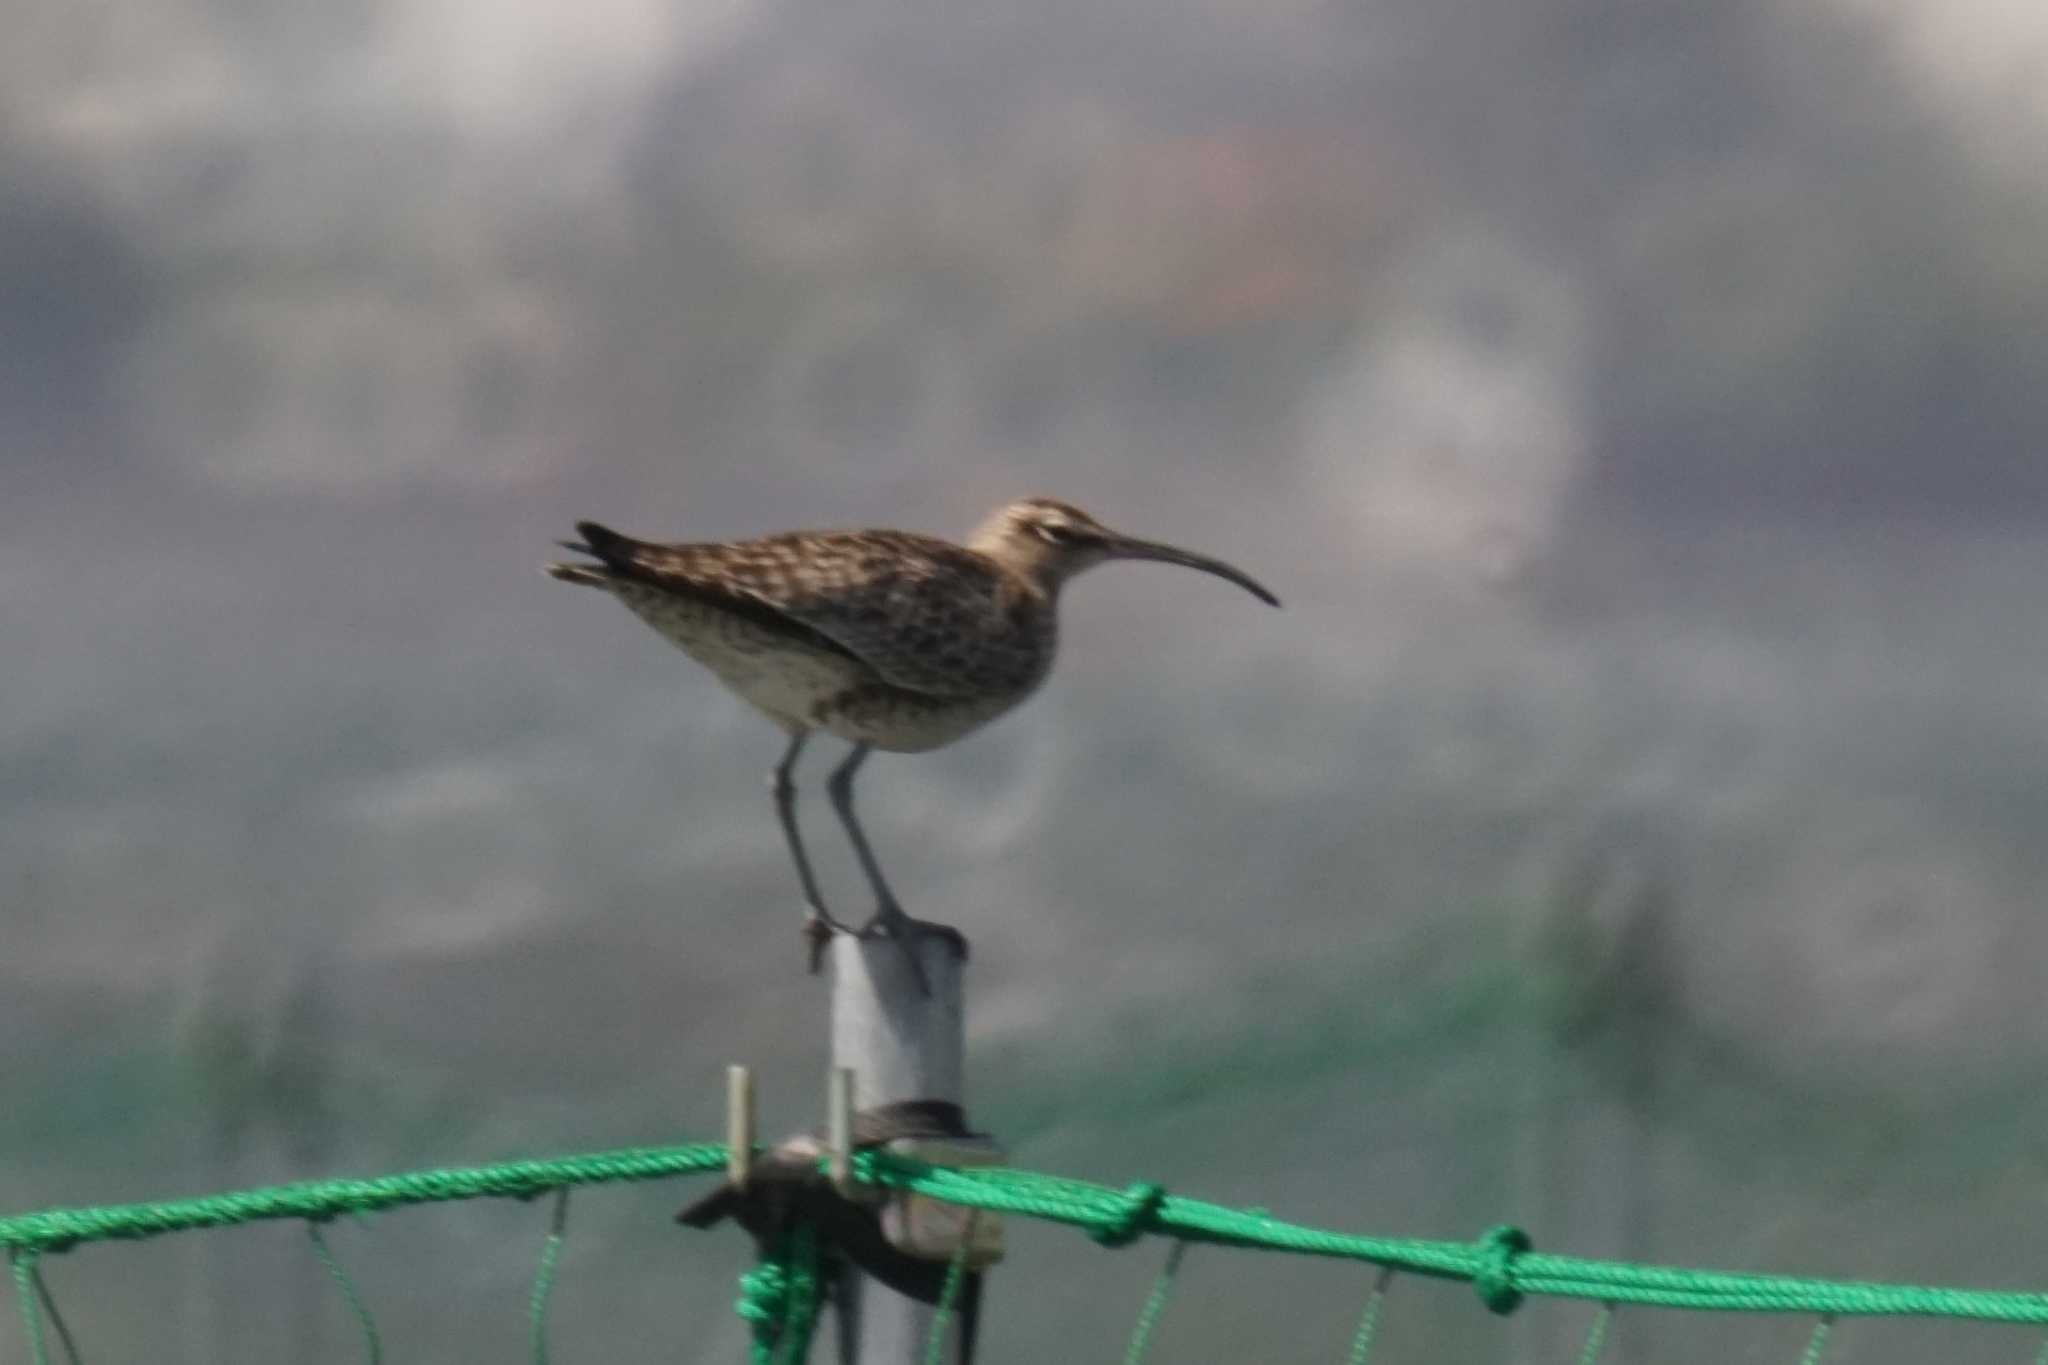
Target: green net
{"points": [[780, 1297]]}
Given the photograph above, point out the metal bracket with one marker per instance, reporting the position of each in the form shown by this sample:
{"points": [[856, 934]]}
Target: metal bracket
{"points": [[739, 1126], [839, 1128], [932, 1229]]}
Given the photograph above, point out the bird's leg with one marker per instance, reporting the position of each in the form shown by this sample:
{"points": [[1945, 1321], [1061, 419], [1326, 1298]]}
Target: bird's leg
{"points": [[840, 788], [819, 924], [889, 918]]}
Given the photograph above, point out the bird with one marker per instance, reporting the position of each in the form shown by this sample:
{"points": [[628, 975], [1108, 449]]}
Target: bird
{"points": [[891, 640]]}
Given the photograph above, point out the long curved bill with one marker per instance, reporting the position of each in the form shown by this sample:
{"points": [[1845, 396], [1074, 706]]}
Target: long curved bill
{"points": [[1126, 547]]}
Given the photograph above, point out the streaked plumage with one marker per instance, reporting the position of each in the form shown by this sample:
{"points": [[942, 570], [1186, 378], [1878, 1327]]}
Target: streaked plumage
{"points": [[902, 641], [889, 639]]}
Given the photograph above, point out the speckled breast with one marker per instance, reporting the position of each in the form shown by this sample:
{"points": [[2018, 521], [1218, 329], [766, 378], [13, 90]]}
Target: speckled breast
{"points": [[907, 722]]}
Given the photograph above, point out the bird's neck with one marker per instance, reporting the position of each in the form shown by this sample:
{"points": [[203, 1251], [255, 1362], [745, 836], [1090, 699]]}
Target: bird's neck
{"points": [[1034, 567]]}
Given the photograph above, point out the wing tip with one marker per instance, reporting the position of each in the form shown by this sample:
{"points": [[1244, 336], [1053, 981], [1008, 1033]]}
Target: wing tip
{"points": [[587, 575]]}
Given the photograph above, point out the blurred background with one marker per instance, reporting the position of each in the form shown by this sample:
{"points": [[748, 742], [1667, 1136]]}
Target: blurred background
{"points": [[1632, 827]]}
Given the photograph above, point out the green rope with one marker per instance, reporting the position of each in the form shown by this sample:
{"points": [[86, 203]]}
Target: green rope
{"points": [[805, 1292], [779, 1297], [1155, 1304], [544, 1277], [949, 1294], [1596, 1335], [23, 1264], [1817, 1343], [1369, 1321], [1502, 1266], [1497, 1264], [373, 1346], [61, 1229]]}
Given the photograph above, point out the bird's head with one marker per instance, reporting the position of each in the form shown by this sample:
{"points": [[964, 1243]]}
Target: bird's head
{"points": [[1049, 541]]}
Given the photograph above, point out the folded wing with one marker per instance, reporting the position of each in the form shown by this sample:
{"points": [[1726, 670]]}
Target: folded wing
{"points": [[926, 615]]}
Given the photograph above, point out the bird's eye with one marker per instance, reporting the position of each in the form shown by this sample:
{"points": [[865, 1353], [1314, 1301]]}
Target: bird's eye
{"points": [[1055, 533]]}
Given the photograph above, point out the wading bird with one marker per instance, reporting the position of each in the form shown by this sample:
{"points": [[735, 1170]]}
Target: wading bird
{"points": [[888, 639]]}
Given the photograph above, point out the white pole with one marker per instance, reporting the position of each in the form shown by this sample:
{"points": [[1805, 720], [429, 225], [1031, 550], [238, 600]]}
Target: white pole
{"points": [[900, 1045]]}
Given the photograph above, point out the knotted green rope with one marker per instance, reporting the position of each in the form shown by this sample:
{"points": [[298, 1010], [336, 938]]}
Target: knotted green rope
{"points": [[1136, 1215], [1501, 1265], [1494, 1277], [373, 1346], [779, 1297]]}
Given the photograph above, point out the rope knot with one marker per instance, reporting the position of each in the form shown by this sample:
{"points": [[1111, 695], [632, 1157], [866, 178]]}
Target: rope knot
{"points": [[763, 1291], [779, 1296], [1495, 1277], [1136, 1211]]}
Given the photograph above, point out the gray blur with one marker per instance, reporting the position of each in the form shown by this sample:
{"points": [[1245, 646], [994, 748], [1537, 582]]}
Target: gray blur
{"points": [[1633, 826]]}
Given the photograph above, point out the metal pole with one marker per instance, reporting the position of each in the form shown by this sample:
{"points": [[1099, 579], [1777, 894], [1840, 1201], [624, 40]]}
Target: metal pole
{"points": [[901, 1045]]}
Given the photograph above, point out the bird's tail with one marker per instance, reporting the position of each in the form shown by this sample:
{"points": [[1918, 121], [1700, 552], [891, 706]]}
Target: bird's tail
{"points": [[600, 543]]}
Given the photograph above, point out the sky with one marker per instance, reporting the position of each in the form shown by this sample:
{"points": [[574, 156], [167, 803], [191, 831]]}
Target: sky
{"points": [[1631, 826]]}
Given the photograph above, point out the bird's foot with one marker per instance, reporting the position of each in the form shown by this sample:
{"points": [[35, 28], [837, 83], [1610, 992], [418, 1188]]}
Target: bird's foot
{"points": [[819, 926], [890, 922]]}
